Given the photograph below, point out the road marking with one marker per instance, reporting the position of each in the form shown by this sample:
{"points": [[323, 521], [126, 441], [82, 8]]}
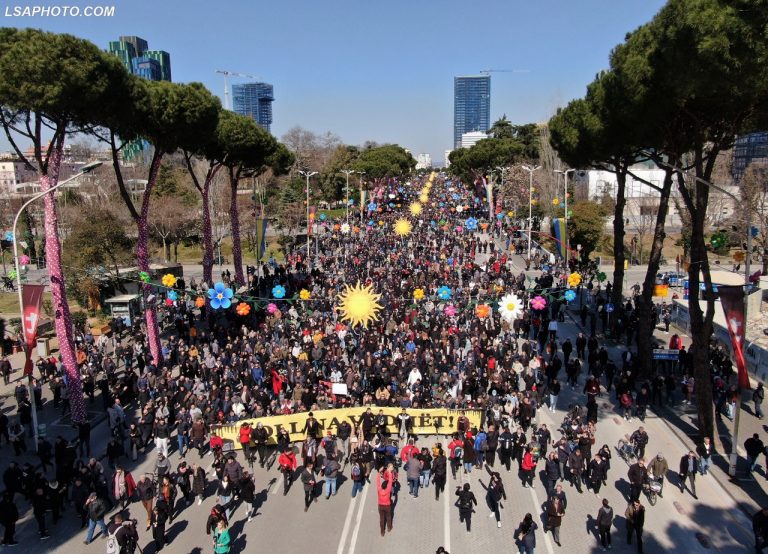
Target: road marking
{"points": [[537, 504], [447, 523], [359, 517], [352, 504]]}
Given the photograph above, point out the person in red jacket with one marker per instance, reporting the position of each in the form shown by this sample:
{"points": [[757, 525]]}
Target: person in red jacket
{"points": [[245, 439], [123, 486], [410, 450], [384, 482], [287, 463], [455, 460], [527, 468]]}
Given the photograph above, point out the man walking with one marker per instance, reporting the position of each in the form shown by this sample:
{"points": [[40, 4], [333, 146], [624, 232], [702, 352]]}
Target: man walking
{"points": [[97, 509], [754, 447], [657, 470], [705, 451], [757, 397], [635, 515], [688, 466]]}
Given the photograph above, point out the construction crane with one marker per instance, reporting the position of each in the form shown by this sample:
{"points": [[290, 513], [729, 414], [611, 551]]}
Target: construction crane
{"points": [[489, 71], [227, 100]]}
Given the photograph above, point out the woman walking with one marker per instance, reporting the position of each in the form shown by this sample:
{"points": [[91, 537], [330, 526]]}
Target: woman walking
{"points": [[308, 480], [525, 536], [495, 494], [221, 539]]}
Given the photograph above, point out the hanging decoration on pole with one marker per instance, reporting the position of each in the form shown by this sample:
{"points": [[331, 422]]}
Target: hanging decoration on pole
{"points": [[732, 299]]}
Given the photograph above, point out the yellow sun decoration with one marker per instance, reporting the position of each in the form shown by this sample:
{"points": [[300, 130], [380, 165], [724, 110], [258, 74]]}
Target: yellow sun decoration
{"points": [[359, 305]]}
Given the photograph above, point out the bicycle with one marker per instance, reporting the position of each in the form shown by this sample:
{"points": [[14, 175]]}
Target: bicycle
{"points": [[626, 452], [652, 488]]}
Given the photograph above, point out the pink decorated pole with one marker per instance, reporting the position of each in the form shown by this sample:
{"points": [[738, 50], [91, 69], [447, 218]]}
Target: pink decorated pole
{"points": [[234, 217], [63, 317], [142, 256], [207, 235]]}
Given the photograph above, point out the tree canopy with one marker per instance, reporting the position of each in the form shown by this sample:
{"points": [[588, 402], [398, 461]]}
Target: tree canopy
{"points": [[390, 160]]}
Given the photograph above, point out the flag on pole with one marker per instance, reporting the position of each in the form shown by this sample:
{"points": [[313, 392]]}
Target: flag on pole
{"points": [[261, 237], [558, 225], [732, 299], [312, 212], [363, 198], [31, 303]]}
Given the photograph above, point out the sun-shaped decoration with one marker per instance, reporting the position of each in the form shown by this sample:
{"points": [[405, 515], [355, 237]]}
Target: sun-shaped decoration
{"points": [[574, 279], [482, 310], [169, 280], [402, 227], [424, 197], [359, 305], [555, 201], [304, 294], [415, 208], [418, 294], [510, 307]]}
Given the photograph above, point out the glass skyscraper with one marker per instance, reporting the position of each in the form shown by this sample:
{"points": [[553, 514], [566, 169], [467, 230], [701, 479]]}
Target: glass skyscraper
{"points": [[134, 52], [471, 105], [255, 101], [152, 65]]}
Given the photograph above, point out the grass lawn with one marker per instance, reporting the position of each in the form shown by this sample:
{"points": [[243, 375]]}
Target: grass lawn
{"points": [[9, 302], [194, 254]]}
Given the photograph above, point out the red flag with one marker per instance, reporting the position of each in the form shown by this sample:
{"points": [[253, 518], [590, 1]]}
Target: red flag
{"points": [[32, 301], [732, 299]]}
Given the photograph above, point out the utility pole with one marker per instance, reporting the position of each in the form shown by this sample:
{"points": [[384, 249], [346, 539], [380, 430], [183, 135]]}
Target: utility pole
{"points": [[361, 173], [347, 173], [565, 238], [530, 204], [308, 174]]}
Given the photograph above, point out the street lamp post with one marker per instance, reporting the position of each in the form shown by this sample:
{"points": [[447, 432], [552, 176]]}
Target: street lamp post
{"points": [[83, 170], [347, 173], [308, 174], [530, 171], [565, 219]]}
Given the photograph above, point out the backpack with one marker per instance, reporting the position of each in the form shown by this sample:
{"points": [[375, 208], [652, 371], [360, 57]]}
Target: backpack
{"points": [[328, 470], [355, 472], [484, 445], [112, 546], [458, 452]]}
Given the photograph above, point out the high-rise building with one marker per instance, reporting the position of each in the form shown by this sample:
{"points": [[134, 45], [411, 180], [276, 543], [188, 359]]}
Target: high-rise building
{"points": [[152, 65], [747, 149], [134, 52], [255, 101], [471, 105]]}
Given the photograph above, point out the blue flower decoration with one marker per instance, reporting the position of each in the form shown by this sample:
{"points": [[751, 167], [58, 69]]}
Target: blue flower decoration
{"points": [[442, 204], [391, 205], [444, 293], [399, 189], [351, 202], [499, 216], [221, 296], [278, 291], [433, 223], [570, 296], [449, 261], [323, 217], [371, 206], [370, 223], [8, 236], [471, 223], [455, 196], [173, 295]]}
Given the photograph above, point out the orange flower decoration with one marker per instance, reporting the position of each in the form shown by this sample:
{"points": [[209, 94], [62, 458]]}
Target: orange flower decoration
{"points": [[200, 302], [243, 308], [483, 311]]}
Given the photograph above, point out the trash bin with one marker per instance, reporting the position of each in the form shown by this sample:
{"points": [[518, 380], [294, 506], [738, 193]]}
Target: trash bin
{"points": [[43, 347]]}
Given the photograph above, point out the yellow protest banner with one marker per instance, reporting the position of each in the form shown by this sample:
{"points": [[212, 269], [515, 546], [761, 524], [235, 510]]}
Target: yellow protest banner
{"points": [[425, 422]]}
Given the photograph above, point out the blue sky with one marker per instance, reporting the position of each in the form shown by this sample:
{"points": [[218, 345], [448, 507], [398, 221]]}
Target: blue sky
{"points": [[378, 71]]}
